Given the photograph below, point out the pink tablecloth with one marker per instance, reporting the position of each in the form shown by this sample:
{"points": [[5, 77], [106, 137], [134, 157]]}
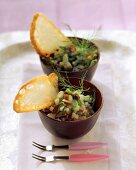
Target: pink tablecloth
{"points": [[79, 14]]}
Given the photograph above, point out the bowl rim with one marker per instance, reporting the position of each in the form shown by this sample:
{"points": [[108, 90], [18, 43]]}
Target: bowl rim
{"points": [[83, 119], [86, 69]]}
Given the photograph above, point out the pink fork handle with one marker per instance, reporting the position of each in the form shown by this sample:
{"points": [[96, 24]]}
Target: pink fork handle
{"points": [[87, 157], [86, 145]]}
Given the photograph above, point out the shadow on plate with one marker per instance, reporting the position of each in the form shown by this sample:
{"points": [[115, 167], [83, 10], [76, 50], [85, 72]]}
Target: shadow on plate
{"points": [[113, 46], [15, 50]]}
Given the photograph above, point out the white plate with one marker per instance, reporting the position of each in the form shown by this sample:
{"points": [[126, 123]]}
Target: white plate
{"points": [[106, 130], [117, 49]]}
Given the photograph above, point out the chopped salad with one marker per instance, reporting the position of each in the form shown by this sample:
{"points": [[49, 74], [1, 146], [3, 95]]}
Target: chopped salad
{"points": [[71, 105], [81, 55]]}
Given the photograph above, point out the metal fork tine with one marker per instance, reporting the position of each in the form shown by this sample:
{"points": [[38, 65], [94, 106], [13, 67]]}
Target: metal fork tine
{"points": [[38, 144], [40, 158], [39, 147]]}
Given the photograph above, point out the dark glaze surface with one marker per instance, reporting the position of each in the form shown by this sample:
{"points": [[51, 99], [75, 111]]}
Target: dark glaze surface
{"points": [[74, 129], [89, 71]]}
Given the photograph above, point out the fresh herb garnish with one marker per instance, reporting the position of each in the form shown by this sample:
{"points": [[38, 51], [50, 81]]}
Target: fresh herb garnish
{"points": [[65, 83], [78, 56]]}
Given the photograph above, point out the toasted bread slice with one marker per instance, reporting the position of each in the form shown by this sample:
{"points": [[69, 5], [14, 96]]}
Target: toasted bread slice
{"points": [[37, 94], [45, 36]]}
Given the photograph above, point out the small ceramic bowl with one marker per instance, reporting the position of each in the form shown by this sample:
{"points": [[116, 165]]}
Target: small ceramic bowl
{"points": [[74, 129], [88, 72]]}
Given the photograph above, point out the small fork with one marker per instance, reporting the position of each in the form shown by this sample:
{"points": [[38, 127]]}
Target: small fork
{"points": [[77, 146], [72, 158]]}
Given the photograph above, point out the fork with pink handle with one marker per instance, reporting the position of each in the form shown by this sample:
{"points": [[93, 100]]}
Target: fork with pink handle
{"points": [[75, 146], [73, 157]]}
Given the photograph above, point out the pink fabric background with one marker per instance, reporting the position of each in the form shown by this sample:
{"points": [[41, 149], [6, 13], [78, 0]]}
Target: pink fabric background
{"points": [[79, 14]]}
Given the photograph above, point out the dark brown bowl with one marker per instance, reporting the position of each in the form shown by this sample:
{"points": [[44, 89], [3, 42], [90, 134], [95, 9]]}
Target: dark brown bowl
{"points": [[88, 72], [74, 129]]}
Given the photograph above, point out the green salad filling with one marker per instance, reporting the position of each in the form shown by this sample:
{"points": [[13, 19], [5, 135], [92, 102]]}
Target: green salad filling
{"points": [[81, 55], [72, 103]]}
